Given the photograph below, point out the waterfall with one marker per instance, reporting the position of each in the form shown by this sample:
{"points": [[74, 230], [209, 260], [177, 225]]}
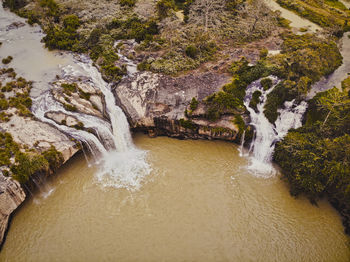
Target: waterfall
{"points": [[120, 125], [266, 134], [241, 149], [119, 163], [46, 103]]}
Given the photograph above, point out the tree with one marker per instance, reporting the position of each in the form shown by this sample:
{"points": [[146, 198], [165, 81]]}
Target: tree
{"points": [[207, 12]]}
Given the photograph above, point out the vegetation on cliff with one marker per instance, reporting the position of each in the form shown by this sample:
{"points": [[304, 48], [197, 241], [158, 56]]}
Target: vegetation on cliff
{"points": [[304, 59], [315, 158], [230, 98], [21, 163], [18, 160]]}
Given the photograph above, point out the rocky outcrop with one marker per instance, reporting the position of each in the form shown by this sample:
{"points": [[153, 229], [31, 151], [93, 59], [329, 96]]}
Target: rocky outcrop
{"points": [[85, 99], [156, 103], [29, 133], [11, 196], [39, 136]]}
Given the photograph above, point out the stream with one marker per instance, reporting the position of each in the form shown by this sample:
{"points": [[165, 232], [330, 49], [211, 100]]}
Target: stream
{"points": [[160, 199]]}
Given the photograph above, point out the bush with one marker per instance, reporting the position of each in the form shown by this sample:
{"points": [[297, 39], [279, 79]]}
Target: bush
{"points": [[191, 51], [83, 94], [133, 28], [129, 3], [7, 60], [69, 88], [187, 124], [69, 107], [263, 53], [164, 7], [255, 100], [64, 38], [194, 104], [112, 72], [54, 158], [266, 83], [143, 66], [230, 99]]}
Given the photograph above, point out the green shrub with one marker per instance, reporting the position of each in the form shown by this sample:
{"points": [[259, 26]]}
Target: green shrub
{"points": [[263, 53], [83, 94], [230, 99], [69, 88], [164, 7], [129, 3], [194, 104], [239, 122], [7, 60], [4, 104], [255, 100], [113, 73], [79, 126], [133, 28], [64, 38], [187, 124], [266, 83], [191, 51], [70, 107], [143, 66], [54, 158]]}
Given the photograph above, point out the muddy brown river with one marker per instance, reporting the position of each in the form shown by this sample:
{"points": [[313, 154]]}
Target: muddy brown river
{"points": [[198, 204]]}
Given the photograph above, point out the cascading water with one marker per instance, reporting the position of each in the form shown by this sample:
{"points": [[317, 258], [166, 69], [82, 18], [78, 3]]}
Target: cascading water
{"points": [[120, 163], [46, 103], [124, 167], [266, 134]]}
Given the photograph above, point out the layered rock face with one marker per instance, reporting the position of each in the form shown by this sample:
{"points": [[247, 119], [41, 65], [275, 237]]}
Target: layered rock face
{"points": [[39, 136], [11, 196], [157, 104], [32, 134]]}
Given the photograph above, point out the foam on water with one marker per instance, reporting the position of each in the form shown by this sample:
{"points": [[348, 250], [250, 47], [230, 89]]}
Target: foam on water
{"points": [[126, 169]]}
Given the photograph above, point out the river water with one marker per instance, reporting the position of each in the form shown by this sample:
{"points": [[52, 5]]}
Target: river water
{"points": [[199, 202]]}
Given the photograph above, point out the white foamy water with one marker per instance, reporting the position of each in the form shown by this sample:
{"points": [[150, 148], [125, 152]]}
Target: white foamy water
{"points": [[266, 134], [124, 166]]}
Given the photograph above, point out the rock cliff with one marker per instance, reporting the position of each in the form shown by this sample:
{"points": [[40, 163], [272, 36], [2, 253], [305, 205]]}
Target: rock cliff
{"points": [[157, 103], [28, 133], [11, 196]]}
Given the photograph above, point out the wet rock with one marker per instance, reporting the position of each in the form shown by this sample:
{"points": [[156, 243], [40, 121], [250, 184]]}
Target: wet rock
{"points": [[62, 119], [15, 25], [90, 104]]}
